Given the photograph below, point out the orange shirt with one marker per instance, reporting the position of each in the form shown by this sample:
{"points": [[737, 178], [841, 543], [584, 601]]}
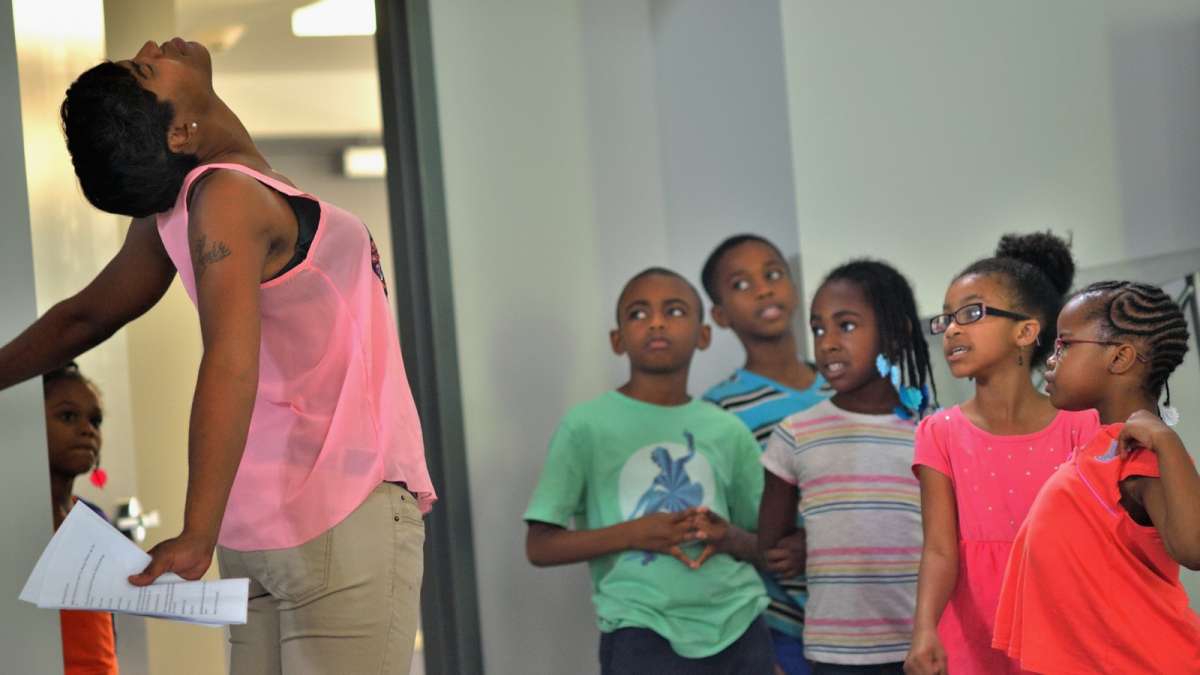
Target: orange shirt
{"points": [[89, 646], [88, 641], [1087, 590]]}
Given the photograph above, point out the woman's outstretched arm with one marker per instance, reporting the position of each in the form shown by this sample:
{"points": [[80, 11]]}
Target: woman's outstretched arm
{"points": [[132, 282]]}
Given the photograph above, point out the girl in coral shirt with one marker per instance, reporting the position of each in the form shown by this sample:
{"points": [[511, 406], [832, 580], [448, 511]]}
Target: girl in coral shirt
{"points": [[1092, 585]]}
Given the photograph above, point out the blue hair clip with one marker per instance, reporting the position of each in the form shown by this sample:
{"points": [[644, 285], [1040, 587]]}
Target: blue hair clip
{"points": [[912, 400], [883, 365]]}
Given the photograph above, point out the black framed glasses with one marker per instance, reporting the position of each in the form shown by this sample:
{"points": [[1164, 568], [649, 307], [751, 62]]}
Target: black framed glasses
{"points": [[1061, 345], [970, 314]]}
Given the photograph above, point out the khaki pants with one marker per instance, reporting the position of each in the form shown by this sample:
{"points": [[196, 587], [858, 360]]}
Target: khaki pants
{"points": [[345, 602]]}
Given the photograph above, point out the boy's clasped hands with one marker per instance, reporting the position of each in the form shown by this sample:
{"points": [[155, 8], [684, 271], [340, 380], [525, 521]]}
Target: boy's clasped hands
{"points": [[667, 533]]}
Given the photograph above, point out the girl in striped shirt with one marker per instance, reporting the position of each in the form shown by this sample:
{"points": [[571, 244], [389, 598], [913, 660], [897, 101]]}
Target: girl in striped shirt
{"points": [[845, 463]]}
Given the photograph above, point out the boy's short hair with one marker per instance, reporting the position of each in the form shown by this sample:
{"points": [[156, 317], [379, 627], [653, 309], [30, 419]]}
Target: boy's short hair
{"points": [[660, 271], [708, 274]]}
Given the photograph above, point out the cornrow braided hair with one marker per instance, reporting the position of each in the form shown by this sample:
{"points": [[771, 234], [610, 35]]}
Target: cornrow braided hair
{"points": [[1148, 313], [901, 338]]}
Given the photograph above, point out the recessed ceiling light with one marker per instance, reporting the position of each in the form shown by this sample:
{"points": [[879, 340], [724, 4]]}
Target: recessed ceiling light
{"points": [[333, 18], [364, 161]]}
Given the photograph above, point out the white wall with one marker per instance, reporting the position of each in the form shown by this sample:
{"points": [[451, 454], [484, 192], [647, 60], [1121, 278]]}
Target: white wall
{"points": [[531, 311], [72, 241], [29, 641], [722, 106], [1154, 55], [921, 131]]}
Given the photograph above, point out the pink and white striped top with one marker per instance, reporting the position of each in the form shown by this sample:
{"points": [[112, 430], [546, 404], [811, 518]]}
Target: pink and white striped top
{"points": [[862, 511], [334, 415]]}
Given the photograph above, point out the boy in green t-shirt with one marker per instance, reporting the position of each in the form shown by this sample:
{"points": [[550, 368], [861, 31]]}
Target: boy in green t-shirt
{"points": [[664, 490]]}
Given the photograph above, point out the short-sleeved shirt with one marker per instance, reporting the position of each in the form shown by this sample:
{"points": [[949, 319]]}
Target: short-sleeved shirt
{"points": [[615, 459], [1087, 589], [89, 642], [761, 403], [862, 510], [995, 480]]}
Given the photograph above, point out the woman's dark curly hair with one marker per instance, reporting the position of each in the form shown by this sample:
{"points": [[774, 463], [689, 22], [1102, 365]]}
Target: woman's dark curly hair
{"points": [[117, 136]]}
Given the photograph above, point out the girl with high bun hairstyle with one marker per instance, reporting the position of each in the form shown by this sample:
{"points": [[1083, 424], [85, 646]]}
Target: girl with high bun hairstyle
{"points": [[1092, 585], [980, 464]]}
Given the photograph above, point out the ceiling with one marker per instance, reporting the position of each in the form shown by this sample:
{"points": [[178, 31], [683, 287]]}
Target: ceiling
{"points": [[280, 85], [267, 44]]}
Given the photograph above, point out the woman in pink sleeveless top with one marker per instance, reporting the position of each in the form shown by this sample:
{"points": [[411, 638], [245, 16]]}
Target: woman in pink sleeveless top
{"points": [[306, 464]]}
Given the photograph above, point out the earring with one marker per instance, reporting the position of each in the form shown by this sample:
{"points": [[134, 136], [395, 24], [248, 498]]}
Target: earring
{"points": [[98, 477], [912, 400], [194, 126], [1168, 412], [1021, 358]]}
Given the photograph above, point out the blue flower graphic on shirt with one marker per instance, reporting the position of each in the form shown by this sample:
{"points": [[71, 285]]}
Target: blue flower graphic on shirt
{"points": [[672, 490]]}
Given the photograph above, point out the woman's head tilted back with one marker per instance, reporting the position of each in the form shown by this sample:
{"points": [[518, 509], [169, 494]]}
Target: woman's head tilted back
{"points": [[1026, 281], [122, 130], [117, 136]]}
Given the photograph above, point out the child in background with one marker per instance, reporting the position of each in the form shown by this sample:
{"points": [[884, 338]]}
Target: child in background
{"points": [[981, 464], [1093, 582], [847, 461], [73, 419], [751, 288], [664, 491]]}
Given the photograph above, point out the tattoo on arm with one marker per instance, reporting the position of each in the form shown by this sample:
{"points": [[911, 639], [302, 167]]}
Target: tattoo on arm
{"points": [[204, 255]]}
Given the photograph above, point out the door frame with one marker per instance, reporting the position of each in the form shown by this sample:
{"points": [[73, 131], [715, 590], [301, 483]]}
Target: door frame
{"points": [[421, 250]]}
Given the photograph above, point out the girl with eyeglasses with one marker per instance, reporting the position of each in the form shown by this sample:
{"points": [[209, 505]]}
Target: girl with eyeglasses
{"points": [[981, 464], [1093, 582]]}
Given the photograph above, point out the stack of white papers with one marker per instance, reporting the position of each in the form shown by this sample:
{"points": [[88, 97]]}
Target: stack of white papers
{"points": [[87, 563]]}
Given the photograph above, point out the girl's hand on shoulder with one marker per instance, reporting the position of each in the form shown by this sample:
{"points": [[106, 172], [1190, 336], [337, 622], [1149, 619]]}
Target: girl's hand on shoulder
{"points": [[1143, 429], [927, 656]]}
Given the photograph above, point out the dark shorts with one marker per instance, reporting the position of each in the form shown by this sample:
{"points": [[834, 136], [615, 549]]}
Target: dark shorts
{"points": [[789, 653], [640, 651], [874, 669]]}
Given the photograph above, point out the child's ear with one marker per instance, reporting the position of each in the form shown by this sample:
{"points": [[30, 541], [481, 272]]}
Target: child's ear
{"points": [[718, 316], [1028, 332], [618, 345], [1123, 359], [705, 337]]}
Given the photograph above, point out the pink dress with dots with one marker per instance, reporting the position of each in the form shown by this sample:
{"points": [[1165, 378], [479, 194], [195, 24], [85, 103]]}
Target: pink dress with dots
{"points": [[995, 479]]}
